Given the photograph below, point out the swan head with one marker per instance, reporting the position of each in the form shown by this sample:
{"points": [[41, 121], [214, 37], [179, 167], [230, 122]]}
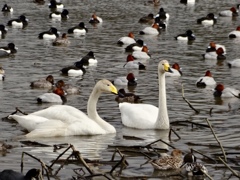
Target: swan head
{"points": [[164, 66], [105, 85]]}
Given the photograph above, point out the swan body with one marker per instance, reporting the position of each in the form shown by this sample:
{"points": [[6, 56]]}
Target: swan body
{"points": [[64, 120], [147, 116]]}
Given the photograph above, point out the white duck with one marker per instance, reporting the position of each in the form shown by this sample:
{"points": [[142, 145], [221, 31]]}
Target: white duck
{"points": [[64, 120], [147, 116]]}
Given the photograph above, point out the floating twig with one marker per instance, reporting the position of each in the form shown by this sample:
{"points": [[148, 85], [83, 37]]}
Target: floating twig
{"points": [[234, 172], [189, 104], [194, 150], [210, 111], [215, 136], [193, 123], [39, 160], [172, 130]]}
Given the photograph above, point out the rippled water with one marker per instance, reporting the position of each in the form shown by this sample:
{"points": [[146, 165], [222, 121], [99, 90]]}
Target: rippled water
{"points": [[36, 59]]}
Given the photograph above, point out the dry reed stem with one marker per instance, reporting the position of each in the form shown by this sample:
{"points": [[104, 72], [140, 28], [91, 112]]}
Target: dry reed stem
{"points": [[215, 136], [234, 172], [39, 160]]}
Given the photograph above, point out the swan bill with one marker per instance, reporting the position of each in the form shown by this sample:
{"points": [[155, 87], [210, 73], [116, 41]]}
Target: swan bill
{"points": [[113, 89], [167, 68]]}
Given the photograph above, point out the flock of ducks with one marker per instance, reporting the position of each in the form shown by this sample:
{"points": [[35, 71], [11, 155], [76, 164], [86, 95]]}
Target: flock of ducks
{"points": [[65, 120]]}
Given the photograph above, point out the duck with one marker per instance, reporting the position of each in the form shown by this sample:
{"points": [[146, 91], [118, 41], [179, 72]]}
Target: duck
{"points": [[142, 54], [80, 29], [59, 15], [221, 91], [206, 80], [55, 5], [149, 19], [9, 174], [95, 19], [3, 30], [213, 47], [128, 80], [153, 2], [234, 63], [176, 70], [65, 120], [131, 64], [135, 46], [51, 34], [127, 97], [47, 82], [5, 51], [232, 12], [235, 33], [187, 36], [192, 167], [210, 20], [215, 55], [69, 89], [88, 60], [126, 40], [162, 14], [63, 41], [162, 25], [152, 30], [75, 70], [187, 1], [147, 116], [21, 22], [7, 8], [56, 96], [2, 74], [169, 162]]}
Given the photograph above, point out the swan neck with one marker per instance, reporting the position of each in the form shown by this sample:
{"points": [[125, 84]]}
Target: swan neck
{"points": [[93, 114], [92, 104], [163, 120]]}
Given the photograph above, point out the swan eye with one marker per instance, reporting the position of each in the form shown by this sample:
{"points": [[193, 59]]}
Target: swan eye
{"points": [[108, 84]]}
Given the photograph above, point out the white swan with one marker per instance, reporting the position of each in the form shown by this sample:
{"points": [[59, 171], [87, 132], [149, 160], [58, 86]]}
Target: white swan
{"points": [[147, 116], [64, 120]]}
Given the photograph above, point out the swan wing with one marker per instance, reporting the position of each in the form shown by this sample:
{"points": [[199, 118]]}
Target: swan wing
{"points": [[140, 116]]}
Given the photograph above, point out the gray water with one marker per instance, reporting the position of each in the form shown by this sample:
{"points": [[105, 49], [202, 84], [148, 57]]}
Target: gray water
{"points": [[36, 59]]}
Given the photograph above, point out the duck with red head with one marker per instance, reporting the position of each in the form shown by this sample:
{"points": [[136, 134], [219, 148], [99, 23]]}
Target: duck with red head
{"points": [[235, 33], [95, 19], [131, 64], [213, 47], [176, 70], [221, 91], [143, 54], [151, 30], [232, 12], [128, 80], [127, 40], [215, 55], [206, 80], [56, 96]]}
